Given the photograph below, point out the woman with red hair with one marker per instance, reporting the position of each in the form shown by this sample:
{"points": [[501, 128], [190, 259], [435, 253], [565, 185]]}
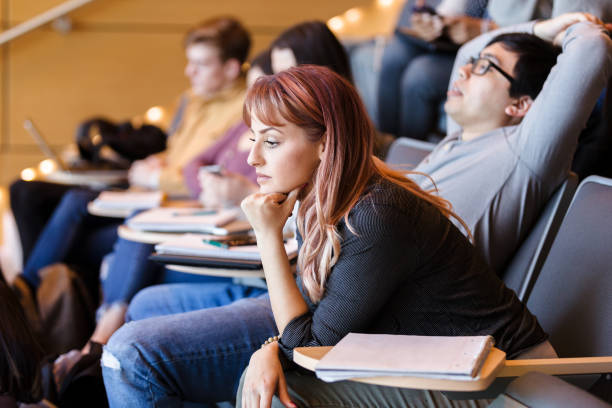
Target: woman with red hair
{"points": [[377, 255]]}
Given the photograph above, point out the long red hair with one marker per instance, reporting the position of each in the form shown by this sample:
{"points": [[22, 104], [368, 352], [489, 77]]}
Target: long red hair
{"points": [[327, 106]]}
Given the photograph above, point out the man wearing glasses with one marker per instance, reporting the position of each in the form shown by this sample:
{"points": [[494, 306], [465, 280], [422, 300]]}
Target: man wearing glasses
{"points": [[513, 124]]}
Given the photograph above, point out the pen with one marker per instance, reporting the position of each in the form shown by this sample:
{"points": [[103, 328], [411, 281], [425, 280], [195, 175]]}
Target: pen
{"points": [[215, 243]]}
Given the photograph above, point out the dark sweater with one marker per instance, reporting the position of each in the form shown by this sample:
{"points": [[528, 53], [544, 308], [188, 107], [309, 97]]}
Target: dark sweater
{"points": [[409, 270]]}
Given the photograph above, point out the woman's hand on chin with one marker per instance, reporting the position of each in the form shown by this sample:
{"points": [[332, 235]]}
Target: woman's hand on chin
{"points": [[264, 378], [268, 212]]}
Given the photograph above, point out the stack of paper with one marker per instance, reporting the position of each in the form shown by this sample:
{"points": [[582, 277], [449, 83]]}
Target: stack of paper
{"points": [[373, 355], [217, 222], [128, 200], [198, 246]]}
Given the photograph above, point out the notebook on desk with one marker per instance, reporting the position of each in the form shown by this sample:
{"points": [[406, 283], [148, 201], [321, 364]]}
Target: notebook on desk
{"points": [[128, 200], [373, 355], [198, 250], [207, 221]]}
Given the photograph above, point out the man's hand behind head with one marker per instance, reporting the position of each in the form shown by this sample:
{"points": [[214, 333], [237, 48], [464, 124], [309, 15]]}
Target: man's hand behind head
{"points": [[553, 30]]}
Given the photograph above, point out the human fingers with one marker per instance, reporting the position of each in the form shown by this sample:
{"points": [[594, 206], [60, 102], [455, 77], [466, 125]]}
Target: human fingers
{"points": [[291, 198], [265, 395], [283, 393], [250, 396]]}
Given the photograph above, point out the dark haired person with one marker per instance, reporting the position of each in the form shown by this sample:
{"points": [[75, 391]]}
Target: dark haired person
{"points": [[310, 42], [20, 354], [513, 125]]}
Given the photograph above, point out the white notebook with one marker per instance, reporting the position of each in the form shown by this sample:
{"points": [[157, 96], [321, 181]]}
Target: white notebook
{"points": [[196, 245], [374, 355], [168, 219], [128, 200]]}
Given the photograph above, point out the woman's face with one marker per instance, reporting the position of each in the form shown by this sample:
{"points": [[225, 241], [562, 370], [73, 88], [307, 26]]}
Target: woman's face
{"points": [[282, 59], [283, 156]]}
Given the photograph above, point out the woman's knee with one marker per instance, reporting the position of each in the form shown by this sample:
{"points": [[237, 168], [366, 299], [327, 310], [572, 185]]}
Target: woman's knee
{"points": [[142, 303], [122, 350]]}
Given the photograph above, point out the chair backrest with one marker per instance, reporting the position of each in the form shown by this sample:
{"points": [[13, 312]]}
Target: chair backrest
{"points": [[572, 297], [406, 153], [539, 390], [523, 269]]}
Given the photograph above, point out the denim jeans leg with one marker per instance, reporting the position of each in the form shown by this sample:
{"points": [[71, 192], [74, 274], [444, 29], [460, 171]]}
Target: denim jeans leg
{"points": [[396, 57], [60, 233], [176, 298], [192, 357], [423, 88], [129, 271]]}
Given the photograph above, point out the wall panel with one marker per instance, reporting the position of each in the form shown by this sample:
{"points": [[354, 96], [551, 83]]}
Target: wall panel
{"points": [[253, 12], [121, 57]]}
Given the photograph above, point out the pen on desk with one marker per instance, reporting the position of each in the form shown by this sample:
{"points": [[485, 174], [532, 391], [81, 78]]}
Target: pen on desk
{"points": [[215, 243]]}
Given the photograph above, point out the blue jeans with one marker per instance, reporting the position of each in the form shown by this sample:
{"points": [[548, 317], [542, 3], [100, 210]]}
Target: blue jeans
{"points": [[161, 300], [130, 270], [73, 236], [185, 359], [412, 85]]}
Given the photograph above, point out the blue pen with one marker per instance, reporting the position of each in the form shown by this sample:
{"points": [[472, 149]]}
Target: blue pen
{"points": [[215, 243]]}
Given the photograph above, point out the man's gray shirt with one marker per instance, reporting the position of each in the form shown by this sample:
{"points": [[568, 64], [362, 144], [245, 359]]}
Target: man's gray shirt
{"points": [[499, 182]]}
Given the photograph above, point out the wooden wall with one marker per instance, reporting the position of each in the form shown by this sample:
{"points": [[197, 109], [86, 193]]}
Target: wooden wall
{"points": [[121, 57]]}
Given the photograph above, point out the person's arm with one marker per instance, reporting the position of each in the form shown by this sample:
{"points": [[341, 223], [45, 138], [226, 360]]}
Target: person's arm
{"points": [[225, 189], [549, 131], [171, 181], [190, 172], [268, 214], [370, 267]]}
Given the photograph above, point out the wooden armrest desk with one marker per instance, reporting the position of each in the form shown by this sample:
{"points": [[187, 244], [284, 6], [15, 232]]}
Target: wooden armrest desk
{"points": [[121, 213], [91, 178], [494, 366]]}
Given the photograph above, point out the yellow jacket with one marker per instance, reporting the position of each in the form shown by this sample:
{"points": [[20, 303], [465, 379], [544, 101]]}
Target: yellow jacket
{"points": [[203, 121]]}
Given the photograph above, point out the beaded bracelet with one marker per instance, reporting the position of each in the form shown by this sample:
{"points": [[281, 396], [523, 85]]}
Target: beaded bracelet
{"points": [[270, 340]]}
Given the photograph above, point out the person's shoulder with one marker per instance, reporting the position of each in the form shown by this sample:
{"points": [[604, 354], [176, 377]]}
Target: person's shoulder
{"points": [[382, 205]]}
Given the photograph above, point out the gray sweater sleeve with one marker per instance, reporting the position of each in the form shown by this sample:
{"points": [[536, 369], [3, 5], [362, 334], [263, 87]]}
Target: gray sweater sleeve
{"points": [[549, 132]]}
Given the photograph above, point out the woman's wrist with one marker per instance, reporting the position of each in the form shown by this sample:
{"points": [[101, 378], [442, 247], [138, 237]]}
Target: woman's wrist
{"points": [[269, 237], [271, 340]]}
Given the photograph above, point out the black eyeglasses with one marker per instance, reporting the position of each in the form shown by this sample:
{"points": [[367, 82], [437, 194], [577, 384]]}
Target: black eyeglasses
{"points": [[480, 66]]}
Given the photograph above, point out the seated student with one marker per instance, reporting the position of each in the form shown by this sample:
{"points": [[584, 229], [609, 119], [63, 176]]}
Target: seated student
{"points": [[20, 354], [215, 50], [412, 78], [378, 254], [294, 46], [509, 129], [236, 179], [581, 42]]}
